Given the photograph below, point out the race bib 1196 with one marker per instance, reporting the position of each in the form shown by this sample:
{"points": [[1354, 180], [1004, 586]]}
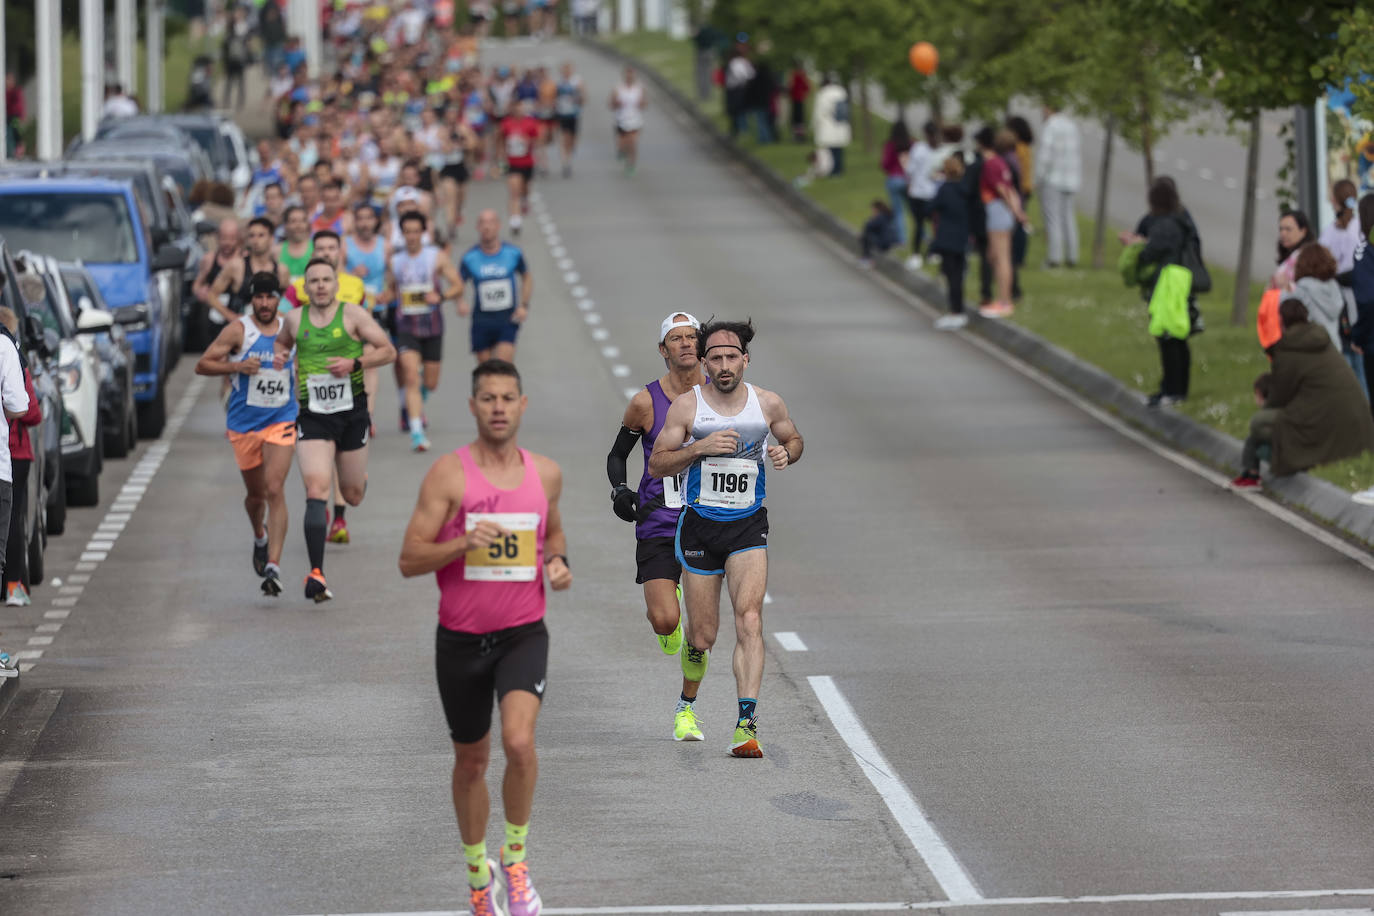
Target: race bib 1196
{"points": [[728, 483]]}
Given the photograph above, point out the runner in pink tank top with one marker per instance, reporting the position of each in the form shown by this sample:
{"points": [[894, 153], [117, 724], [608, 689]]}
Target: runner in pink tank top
{"points": [[487, 524]]}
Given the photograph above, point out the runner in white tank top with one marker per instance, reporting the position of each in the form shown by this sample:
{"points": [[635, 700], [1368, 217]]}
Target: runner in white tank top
{"points": [[628, 102], [723, 528]]}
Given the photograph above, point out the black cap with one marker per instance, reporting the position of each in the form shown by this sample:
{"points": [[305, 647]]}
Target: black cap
{"points": [[264, 282]]}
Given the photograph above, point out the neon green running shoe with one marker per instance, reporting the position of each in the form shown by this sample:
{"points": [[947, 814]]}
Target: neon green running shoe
{"points": [[746, 743], [685, 726], [694, 662], [672, 643]]}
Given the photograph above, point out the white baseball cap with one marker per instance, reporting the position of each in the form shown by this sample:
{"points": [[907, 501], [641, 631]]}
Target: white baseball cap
{"points": [[672, 321]]}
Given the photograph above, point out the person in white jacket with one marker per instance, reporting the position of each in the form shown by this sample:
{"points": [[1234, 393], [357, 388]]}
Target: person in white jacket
{"points": [[1058, 175], [830, 122]]}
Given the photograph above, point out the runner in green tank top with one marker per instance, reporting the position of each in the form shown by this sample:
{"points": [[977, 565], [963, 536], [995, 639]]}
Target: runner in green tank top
{"points": [[295, 253], [332, 425]]}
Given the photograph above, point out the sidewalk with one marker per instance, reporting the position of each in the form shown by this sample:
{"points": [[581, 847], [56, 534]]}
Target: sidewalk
{"points": [[1309, 495]]}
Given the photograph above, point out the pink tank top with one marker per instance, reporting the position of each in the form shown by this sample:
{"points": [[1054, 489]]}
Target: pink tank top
{"points": [[502, 586]]}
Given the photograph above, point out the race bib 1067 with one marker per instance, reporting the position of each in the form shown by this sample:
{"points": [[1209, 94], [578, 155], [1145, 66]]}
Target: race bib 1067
{"points": [[329, 394]]}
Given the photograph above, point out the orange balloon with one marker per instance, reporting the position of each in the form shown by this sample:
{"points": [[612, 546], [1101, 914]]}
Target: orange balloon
{"points": [[924, 58]]}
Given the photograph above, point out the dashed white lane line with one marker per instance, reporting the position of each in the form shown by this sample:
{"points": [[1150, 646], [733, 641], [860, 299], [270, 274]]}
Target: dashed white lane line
{"points": [[578, 292], [790, 641], [1206, 174], [586, 305], [630, 393], [571, 277], [619, 370], [600, 334], [610, 352], [592, 318], [1230, 183], [109, 529], [938, 857]]}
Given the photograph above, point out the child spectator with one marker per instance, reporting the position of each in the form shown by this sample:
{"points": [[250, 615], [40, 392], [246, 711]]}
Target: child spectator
{"points": [[951, 212], [879, 233]]}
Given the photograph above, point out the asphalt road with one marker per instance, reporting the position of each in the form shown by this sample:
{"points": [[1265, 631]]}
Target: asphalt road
{"points": [[1083, 671]]}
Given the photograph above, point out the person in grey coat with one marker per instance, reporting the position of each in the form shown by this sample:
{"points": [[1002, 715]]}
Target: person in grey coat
{"points": [[1315, 286]]}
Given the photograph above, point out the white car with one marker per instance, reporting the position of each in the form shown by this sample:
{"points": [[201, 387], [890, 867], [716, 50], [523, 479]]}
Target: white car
{"points": [[78, 376]]}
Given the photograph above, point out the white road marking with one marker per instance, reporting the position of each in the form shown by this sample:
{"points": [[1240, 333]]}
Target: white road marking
{"points": [[553, 238], [610, 352], [630, 393], [939, 858], [586, 305], [592, 318], [578, 292], [1230, 183], [559, 251], [72, 589], [86, 567], [64, 602], [77, 579], [571, 277], [668, 909], [1181, 164], [48, 628], [28, 654], [619, 370], [600, 334], [565, 263], [94, 556], [790, 641], [40, 640], [1206, 174], [767, 598], [1364, 912], [57, 615]]}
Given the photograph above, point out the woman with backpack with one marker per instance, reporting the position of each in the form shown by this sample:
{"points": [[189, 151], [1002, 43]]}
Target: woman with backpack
{"points": [[1166, 237]]}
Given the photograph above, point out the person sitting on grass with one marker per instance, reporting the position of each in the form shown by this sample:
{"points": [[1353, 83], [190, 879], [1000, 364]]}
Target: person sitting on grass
{"points": [[879, 233], [1314, 412]]}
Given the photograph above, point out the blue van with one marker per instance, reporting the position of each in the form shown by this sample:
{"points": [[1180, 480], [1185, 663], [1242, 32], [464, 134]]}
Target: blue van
{"points": [[101, 222]]}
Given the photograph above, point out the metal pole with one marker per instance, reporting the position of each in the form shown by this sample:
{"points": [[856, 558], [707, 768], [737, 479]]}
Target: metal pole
{"points": [[1305, 140], [310, 35], [92, 65], [153, 50], [48, 22], [4, 114], [126, 44], [1325, 213]]}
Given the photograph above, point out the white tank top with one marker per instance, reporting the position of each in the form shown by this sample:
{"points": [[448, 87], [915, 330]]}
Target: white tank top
{"points": [[728, 487], [628, 114], [415, 278]]}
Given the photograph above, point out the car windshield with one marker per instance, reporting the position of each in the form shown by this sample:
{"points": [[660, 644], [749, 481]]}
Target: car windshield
{"points": [[79, 226], [207, 138], [76, 286]]}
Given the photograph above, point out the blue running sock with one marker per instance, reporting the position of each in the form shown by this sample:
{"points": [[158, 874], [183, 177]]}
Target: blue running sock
{"points": [[747, 706]]}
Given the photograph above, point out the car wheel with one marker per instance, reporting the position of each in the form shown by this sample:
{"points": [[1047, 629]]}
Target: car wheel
{"points": [[116, 444], [152, 415], [57, 503], [130, 427], [35, 559]]}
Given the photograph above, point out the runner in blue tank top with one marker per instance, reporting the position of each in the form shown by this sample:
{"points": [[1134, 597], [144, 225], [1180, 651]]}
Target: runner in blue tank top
{"points": [[261, 417], [656, 506], [501, 302], [723, 528]]}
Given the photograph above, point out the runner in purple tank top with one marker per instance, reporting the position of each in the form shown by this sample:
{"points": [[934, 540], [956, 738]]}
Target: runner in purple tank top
{"points": [[654, 510]]}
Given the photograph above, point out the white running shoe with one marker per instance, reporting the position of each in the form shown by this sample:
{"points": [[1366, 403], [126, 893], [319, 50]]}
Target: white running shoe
{"points": [[914, 263], [1364, 497], [951, 322]]}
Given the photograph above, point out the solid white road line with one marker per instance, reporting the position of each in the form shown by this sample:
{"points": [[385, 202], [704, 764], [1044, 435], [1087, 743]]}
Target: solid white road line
{"points": [[790, 641], [939, 858]]}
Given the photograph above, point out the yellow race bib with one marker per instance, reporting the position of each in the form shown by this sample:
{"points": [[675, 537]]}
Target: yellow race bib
{"points": [[513, 558]]}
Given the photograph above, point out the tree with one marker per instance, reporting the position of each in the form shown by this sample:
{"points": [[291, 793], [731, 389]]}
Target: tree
{"points": [[1254, 57], [1350, 62]]}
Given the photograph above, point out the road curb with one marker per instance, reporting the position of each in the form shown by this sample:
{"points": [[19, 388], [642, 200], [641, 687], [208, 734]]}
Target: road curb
{"points": [[9, 688], [1319, 499]]}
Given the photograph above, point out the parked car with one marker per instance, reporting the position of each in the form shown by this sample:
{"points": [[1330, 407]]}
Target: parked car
{"points": [[187, 165], [118, 417], [100, 222], [46, 507], [78, 375], [205, 129]]}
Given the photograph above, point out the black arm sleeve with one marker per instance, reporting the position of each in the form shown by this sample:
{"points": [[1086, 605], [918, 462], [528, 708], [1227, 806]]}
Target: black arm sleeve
{"points": [[615, 461]]}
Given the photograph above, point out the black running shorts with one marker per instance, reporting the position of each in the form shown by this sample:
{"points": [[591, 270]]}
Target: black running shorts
{"points": [[704, 545], [348, 430], [431, 349], [473, 668], [457, 171], [656, 558]]}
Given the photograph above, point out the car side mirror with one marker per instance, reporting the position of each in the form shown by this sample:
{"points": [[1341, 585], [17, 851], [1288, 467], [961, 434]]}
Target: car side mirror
{"points": [[84, 304], [169, 257], [92, 320]]}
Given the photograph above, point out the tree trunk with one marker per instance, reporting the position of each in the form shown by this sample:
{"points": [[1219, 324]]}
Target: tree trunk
{"points": [[1240, 303], [1147, 139], [867, 114], [1103, 186], [639, 15], [615, 17]]}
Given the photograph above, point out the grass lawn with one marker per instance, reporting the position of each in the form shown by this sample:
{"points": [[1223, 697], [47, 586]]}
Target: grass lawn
{"points": [[1087, 312], [179, 51]]}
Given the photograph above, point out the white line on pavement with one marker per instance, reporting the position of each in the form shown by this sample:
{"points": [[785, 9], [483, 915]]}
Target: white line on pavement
{"points": [[578, 292], [790, 641], [600, 333], [939, 858], [1205, 174], [630, 393], [1363, 912], [1230, 183], [571, 277], [620, 371]]}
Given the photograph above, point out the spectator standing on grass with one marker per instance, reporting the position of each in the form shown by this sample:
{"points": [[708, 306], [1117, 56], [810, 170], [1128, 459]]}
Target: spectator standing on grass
{"points": [[893, 163], [758, 100], [950, 212], [705, 41], [879, 233], [235, 55], [1362, 288], [272, 34], [1295, 231], [798, 88], [1315, 413], [1002, 209], [977, 213], [14, 398], [739, 73], [920, 167], [830, 128], [21, 460], [1016, 153], [1058, 176], [1162, 238], [15, 113], [117, 104]]}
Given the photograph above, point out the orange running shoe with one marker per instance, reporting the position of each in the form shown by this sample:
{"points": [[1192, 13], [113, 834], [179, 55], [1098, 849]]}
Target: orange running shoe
{"points": [[316, 588]]}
